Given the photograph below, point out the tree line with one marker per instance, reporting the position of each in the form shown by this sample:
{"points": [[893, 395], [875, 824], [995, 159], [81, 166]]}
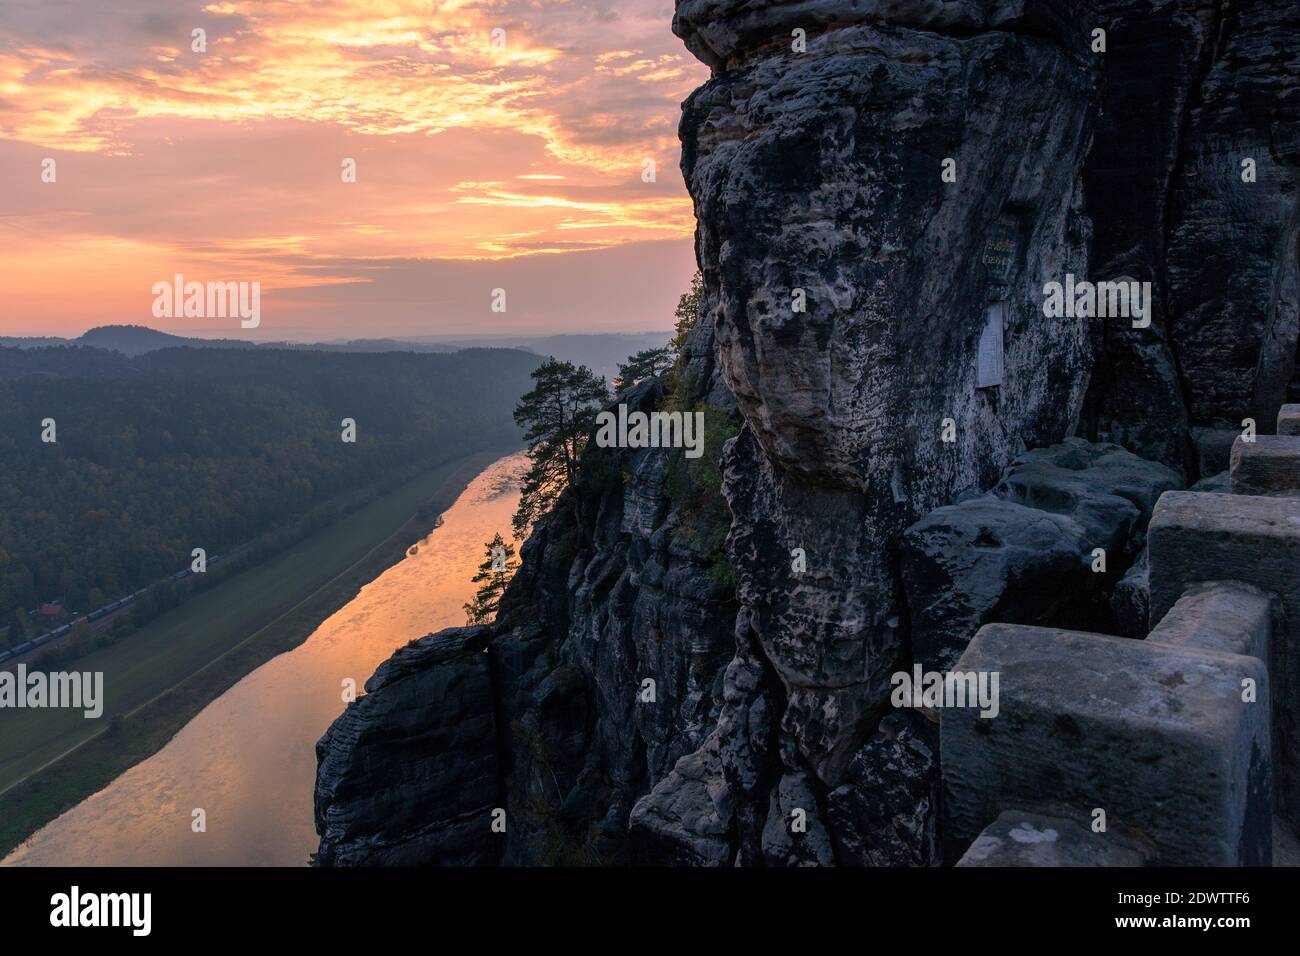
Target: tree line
{"points": [[182, 448]]}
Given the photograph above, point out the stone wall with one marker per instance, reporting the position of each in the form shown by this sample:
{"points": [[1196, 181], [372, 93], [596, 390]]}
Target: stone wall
{"points": [[1185, 740]]}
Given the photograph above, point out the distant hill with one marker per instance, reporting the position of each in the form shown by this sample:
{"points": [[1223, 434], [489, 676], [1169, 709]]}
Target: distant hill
{"points": [[599, 351], [371, 345], [130, 340], [30, 341], [133, 340]]}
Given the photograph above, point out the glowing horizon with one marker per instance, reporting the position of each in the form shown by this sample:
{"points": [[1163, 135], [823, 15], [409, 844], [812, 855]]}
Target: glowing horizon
{"points": [[516, 165]]}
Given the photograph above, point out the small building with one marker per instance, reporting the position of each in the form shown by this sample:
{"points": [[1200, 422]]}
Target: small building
{"points": [[50, 612]]}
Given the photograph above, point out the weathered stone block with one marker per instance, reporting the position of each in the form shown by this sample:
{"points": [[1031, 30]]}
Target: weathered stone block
{"points": [[1017, 838], [1268, 465], [1023, 552], [1204, 536], [1213, 448], [1288, 420], [1103, 487], [1220, 481], [987, 559], [1157, 736], [1226, 616], [1130, 599]]}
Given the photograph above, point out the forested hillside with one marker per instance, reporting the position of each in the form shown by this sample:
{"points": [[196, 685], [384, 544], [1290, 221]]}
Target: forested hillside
{"points": [[184, 448]]}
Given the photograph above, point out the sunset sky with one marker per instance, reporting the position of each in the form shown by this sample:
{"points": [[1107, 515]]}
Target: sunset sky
{"points": [[476, 169]]}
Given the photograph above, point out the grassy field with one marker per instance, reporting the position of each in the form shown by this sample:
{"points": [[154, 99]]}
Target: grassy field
{"points": [[164, 674]]}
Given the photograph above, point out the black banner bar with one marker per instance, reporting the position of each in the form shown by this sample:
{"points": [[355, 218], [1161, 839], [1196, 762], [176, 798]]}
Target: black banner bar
{"points": [[353, 906]]}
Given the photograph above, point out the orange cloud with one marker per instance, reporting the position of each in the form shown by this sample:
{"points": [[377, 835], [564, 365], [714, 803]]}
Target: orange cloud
{"points": [[465, 149]]}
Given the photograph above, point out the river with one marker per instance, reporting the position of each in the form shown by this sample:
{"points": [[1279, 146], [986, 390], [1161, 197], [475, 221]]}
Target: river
{"points": [[248, 759]]}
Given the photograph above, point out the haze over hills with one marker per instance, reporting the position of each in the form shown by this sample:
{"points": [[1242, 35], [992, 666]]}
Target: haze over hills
{"points": [[133, 340], [600, 351]]}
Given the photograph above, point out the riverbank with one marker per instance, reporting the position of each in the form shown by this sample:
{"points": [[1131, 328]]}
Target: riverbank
{"points": [[166, 673]]}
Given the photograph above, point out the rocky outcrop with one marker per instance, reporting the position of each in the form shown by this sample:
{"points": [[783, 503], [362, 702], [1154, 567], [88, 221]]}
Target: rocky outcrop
{"points": [[726, 33], [690, 823], [883, 190], [409, 773], [572, 734], [1046, 545], [817, 179]]}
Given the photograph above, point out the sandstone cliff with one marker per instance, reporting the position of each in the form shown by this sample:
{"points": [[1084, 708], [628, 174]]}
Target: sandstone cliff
{"points": [[926, 501]]}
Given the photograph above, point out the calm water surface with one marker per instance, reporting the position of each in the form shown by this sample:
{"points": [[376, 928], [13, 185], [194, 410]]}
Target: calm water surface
{"points": [[248, 759]]}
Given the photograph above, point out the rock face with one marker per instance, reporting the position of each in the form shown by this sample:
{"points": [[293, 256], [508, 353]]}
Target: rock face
{"points": [[886, 811], [1155, 54], [1233, 263], [884, 189], [822, 216], [409, 772], [1167, 193]]}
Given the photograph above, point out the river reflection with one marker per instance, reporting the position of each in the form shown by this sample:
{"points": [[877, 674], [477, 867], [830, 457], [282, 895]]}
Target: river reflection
{"points": [[248, 759]]}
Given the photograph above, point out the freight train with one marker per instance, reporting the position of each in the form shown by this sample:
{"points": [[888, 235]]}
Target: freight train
{"points": [[94, 615]]}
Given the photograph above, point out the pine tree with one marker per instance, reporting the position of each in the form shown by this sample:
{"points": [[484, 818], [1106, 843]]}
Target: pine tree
{"points": [[557, 415], [644, 364], [687, 312], [493, 576]]}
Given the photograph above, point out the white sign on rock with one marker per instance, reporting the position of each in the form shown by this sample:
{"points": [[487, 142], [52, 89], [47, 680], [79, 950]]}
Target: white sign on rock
{"points": [[989, 370]]}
